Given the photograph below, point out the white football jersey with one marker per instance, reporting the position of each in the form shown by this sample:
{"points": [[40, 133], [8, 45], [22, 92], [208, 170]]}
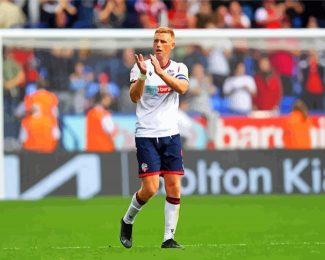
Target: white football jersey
{"points": [[157, 110]]}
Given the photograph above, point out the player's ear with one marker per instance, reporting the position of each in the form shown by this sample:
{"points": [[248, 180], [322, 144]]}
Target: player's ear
{"points": [[173, 45]]}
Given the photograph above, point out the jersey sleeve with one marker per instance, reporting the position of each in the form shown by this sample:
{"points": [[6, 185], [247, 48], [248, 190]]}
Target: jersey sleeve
{"points": [[134, 74], [56, 133], [108, 124], [182, 72]]}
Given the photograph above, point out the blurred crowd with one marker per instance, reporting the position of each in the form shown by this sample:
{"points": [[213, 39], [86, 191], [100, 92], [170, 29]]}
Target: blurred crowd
{"points": [[237, 81], [151, 13], [42, 84]]}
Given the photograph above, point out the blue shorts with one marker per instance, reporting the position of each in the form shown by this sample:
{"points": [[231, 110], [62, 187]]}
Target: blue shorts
{"points": [[162, 155]]}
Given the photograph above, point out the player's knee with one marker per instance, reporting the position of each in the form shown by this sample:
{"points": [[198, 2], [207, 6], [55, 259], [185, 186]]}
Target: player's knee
{"points": [[172, 187], [150, 190]]}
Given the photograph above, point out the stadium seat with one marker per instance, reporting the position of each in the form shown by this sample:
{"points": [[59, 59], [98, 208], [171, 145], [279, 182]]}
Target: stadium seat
{"points": [[248, 10], [219, 104], [286, 104]]}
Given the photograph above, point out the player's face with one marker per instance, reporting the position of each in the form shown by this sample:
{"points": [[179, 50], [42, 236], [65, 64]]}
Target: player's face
{"points": [[163, 43]]}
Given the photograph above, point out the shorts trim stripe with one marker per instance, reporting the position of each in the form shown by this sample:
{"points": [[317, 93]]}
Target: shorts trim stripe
{"points": [[173, 172], [141, 175]]}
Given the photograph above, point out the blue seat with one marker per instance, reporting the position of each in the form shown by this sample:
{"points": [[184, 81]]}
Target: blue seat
{"points": [[219, 104], [248, 10], [286, 104]]}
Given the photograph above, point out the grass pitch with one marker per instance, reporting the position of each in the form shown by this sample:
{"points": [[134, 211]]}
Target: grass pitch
{"points": [[210, 227]]}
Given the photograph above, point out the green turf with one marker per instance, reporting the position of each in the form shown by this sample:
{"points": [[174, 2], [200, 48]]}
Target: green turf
{"points": [[220, 227]]}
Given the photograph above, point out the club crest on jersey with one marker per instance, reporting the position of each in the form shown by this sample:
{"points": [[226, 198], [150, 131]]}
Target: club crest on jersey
{"points": [[144, 167], [150, 73], [170, 72]]}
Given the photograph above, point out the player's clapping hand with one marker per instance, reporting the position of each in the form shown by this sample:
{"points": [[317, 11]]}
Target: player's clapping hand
{"points": [[156, 65], [141, 64]]}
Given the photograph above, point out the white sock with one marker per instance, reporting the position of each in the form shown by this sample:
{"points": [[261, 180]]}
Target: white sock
{"points": [[133, 210], [172, 206]]}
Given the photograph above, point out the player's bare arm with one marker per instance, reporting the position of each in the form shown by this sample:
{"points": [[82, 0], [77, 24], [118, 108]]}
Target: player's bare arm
{"points": [[137, 86], [179, 85]]}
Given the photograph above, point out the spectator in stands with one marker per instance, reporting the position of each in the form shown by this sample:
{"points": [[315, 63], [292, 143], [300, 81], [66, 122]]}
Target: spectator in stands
{"points": [[41, 102], [58, 65], [219, 17], [27, 59], [195, 54], [32, 10], [57, 14], [236, 18], [77, 78], [284, 63], [240, 89], [293, 13], [185, 122], [312, 69], [145, 21], [205, 15], [11, 15], [85, 14], [178, 15], [297, 128], [200, 90], [100, 128], [269, 15], [39, 133], [97, 60], [269, 88], [123, 80], [65, 14], [151, 13], [14, 78], [193, 7], [111, 14], [104, 85], [248, 7], [246, 55], [39, 126], [80, 80], [218, 65], [312, 22], [314, 9]]}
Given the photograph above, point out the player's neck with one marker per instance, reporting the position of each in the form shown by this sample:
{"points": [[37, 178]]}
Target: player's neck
{"points": [[164, 63]]}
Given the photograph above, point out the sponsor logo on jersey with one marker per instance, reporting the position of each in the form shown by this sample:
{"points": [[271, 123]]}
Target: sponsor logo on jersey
{"points": [[162, 89], [151, 90]]}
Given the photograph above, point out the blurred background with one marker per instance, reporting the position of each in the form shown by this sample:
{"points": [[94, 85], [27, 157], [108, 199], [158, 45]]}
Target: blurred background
{"points": [[257, 84], [252, 126]]}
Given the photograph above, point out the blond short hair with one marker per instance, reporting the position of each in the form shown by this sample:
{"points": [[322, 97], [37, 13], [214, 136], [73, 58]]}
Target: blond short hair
{"points": [[165, 29]]}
